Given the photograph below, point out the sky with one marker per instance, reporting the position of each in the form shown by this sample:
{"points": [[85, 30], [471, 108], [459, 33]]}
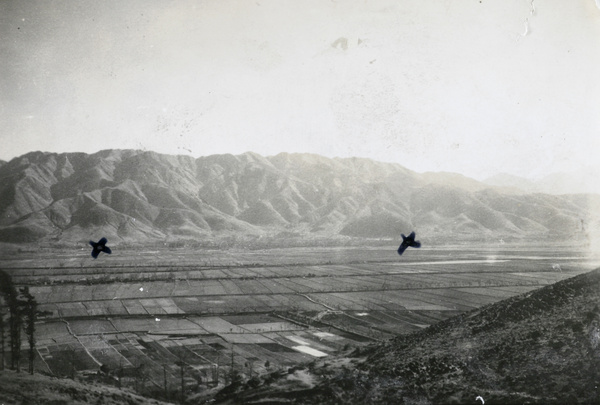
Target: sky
{"points": [[476, 87]]}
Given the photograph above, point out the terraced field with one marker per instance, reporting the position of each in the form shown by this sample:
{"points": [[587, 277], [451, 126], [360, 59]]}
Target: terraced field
{"points": [[152, 317]]}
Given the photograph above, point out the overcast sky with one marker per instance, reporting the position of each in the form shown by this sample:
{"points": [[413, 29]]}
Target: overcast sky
{"points": [[469, 86]]}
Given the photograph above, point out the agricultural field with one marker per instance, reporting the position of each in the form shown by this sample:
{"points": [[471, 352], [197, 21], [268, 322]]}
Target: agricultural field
{"points": [[152, 319]]}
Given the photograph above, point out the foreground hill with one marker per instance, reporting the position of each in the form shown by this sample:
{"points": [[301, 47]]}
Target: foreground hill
{"points": [[37, 389], [539, 348], [135, 196]]}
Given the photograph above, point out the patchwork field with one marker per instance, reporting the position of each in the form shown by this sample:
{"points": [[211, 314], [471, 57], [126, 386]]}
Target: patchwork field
{"points": [[153, 318]]}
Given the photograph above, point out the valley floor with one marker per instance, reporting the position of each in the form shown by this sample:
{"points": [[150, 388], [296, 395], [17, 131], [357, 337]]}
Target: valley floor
{"points": [[159, 319]]}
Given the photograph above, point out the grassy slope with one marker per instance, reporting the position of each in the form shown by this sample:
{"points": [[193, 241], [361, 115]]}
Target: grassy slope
{"points": [[37, 389], [542, 347]]}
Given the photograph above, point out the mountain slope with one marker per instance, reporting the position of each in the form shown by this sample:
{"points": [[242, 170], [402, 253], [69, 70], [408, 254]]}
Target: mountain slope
{"points": [[135, 196], [539, 348]]}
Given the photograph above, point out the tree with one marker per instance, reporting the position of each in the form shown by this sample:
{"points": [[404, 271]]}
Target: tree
{"points": [[2, 334], [21, 306], [28, 307], [182, 364], [15, 324], [7, 289]]}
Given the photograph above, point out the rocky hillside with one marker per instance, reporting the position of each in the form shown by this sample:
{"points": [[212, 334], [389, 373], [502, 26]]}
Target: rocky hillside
{"points": [[129, 195], [539, 348]]}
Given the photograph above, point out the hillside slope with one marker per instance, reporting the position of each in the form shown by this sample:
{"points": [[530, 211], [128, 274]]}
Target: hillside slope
{"points": [[37, 389], [129, 195], [539, 348]]}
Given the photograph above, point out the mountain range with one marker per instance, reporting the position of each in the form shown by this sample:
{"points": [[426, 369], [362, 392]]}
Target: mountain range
{"points": [[584, 180], [132, 195]]}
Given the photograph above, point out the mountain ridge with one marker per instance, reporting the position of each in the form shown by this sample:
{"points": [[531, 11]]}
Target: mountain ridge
{"points": [[130, 195]]}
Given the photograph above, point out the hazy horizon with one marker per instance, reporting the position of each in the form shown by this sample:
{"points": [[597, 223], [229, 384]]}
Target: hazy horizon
{"points": [[477, 89]]}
